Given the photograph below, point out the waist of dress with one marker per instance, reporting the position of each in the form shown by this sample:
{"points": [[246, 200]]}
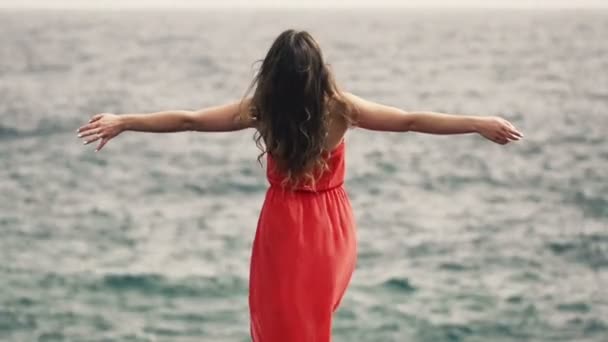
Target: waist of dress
{"points": [[306, 190]]}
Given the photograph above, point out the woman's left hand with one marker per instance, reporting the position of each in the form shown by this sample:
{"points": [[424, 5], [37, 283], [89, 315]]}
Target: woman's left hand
{"points": [[103, 127]]}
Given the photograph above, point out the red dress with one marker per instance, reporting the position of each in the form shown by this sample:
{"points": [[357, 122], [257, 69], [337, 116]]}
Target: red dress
{"points": [[304, 254]]}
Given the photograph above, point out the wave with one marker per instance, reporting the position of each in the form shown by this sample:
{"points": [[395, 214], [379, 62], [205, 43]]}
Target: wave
{"points": [[585, 249], [8, 132], [156, 284], [149, 283], [574, 307], [399, 284], [592, 205], [43, 129], [224, 187]]}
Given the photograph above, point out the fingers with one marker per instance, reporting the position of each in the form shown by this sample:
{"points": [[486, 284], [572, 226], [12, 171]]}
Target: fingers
{"points": [[96, 117], [502, 132], [87, 127], [507, 134], [511, 133], [516, 133], [102, 143], [93, 129], [91, 123], [505, 138], [512, 130], [512, 136], [97, 137], [89, 132]]}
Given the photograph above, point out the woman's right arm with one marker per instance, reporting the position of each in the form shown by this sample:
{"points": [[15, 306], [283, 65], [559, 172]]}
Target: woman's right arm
{"points": [[105, 126], [379, 117], [159, 122], [223, 118]]}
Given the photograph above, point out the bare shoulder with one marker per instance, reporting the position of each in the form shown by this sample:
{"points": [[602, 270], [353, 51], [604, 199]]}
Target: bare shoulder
{"points": [[355, 103], [246, 112], [343, 107], [373, 115]]}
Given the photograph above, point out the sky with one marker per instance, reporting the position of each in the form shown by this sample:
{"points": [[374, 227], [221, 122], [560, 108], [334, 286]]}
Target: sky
{"points": [[301, 3]]}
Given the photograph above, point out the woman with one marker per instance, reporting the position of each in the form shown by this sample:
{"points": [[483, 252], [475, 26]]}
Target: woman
{"points": [[304, 251]]}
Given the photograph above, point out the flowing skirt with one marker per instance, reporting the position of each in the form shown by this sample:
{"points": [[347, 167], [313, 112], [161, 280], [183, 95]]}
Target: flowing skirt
{"points": [[304, 255]]}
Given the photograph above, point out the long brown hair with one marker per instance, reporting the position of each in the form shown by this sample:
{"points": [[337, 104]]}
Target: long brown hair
{"points": [[294, 93]]}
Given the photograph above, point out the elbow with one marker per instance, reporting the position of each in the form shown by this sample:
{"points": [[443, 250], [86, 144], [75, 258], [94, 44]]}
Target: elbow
{"points": [[408, 123], [188, 122]]}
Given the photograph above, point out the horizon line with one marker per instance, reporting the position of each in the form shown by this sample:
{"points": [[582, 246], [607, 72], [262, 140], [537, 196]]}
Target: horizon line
{"points": [[313, 7]]}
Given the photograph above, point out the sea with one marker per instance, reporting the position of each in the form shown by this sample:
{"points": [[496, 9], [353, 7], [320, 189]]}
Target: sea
{"points": [[459, 238]]}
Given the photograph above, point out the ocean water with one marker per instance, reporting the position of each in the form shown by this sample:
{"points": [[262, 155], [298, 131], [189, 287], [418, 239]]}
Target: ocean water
{"points": [[460, 239]]}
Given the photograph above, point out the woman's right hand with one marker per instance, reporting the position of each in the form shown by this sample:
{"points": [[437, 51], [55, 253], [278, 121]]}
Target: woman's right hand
{"points": [[498, 130], [104, 127]]}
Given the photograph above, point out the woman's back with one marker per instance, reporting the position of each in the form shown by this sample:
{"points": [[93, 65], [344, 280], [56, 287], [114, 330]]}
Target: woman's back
{"points": [[332, 177]]}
